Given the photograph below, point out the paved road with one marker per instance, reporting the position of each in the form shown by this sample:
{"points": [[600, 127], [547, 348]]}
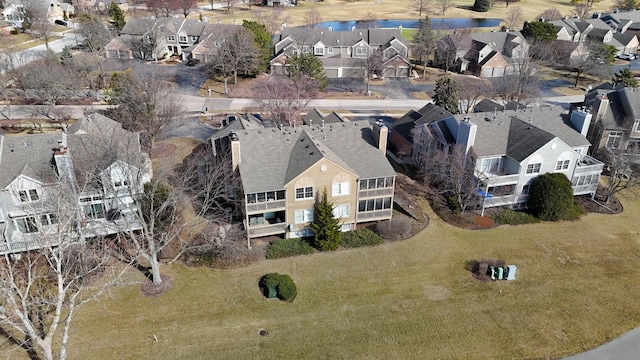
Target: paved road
{"points": [[626, 347], [21, 58]]}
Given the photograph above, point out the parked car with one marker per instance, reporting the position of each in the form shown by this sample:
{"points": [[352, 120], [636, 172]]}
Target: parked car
{"points": [[192, 62], [60, 22], [627, 57]]}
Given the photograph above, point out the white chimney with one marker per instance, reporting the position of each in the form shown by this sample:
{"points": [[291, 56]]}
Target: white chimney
{"points": [[380, 136], [466, 134], [581, 120], [235, 150]]}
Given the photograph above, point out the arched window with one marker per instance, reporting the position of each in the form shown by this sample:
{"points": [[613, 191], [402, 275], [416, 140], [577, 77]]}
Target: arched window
{"points": [[534, 165], [340, 185], [564, 160], [304, 189]]}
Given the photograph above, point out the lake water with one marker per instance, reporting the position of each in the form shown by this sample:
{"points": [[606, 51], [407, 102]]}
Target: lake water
{"points": [[438, 24]]}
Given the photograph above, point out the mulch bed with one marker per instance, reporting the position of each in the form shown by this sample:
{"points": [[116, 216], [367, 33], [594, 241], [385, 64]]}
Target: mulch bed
{"points": [[612, 207], [151, 289]]}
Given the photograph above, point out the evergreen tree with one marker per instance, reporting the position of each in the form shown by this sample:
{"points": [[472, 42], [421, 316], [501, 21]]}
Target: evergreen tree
{"points": [[424, 43], [325, 227], [625, 76], [550, 197], [262, 39], [446, 95], [66, 58], [539, 30], [308, 65], [482, 5], [116, 15]]}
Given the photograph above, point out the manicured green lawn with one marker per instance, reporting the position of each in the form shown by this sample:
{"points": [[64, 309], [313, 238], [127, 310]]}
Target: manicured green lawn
{"points": [[576, 288]]}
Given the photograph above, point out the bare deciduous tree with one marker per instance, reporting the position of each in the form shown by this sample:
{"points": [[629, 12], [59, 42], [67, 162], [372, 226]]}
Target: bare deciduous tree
{"points": [[186, 6], [162, 7], [420, 6], [47, 80], [312, 17], [470, 90], [145, 103], [623, 172], [146, 46], [237, 53], [583, 8], [514, 17], [550, 15], [625, 4], [444, 5], [450, 172], [523, 85], [35, 17], [272, 19], [283, 99]]}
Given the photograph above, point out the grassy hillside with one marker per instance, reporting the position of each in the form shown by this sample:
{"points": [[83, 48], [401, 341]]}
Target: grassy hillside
{"points": [[575, 289]]}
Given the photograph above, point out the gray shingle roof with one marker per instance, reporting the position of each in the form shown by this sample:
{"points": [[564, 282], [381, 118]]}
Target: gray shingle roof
{"points": [[427, 114], [29, 155], [270, 158], [494, 136]]}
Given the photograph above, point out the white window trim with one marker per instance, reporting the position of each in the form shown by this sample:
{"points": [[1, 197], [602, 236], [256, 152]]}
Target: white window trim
{"points": [[171, 38], [318, 50], [303, 216], [340, 188], [340, 211], [29, 196]]}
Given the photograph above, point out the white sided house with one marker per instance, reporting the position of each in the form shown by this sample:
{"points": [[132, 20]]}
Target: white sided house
{"points": [[511, 148], [69, 186]]}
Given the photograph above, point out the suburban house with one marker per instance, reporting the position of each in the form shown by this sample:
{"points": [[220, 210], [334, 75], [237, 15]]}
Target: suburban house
{"points": [[486, 55], [15, 11], [616, 118], [284, 170], [510, 148], [166, 36], [596, 30], [317, 117], [488, 105], [344, 53], [401, 131], [69, 185], [622, 21]]}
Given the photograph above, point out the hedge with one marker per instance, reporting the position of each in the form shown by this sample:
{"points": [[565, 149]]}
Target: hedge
{"points": [[510, 217], [285, 288], [360, 237], [288, 247]]}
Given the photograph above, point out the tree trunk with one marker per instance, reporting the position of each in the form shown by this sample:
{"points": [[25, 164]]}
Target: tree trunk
{"points": [[226, 88], [577, 78], [47, 349], [155, 269], [235, 77]]}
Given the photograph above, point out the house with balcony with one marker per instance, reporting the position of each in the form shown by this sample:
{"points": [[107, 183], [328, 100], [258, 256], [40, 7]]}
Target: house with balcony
{"points": [[616, 118], [597, 30], [69, 185], [510, 148], [284, 170], [344, 53]]}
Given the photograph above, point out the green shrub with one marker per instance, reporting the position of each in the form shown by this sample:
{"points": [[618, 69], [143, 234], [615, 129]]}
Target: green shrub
{"points": [[288, 247], [285, 288], [453, 204], [551, 197], [574, 212], [360, 237], [510, 217]]}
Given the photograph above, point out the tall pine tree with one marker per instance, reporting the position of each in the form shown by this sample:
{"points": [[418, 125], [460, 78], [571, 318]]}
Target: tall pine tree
{"points": [[325, 227], [117, 16], [446, 95]]}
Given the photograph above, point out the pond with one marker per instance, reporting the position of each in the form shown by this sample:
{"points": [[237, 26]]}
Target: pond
{"points": [[438, 24]]}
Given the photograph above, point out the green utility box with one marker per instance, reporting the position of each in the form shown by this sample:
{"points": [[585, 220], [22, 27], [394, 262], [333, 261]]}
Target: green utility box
{"points": [[272, 293]]}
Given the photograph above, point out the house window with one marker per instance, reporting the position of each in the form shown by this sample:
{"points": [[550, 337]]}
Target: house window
{"points": [[340, 185], [490, 165], [318, 50], [374, 204], [216, 43], [171, 38], [637, 126], [361, 51], [48, 219], [534, 165], [28, 195], [27, 225], [345, 227], [304, 193], [119, 184], [562, 164], [194, 38], [303, 216], [378, 183], [329, 50], [534, 168], [614, 139], [306, 232], [265, 196], [182, 38], [341, 211], [93, 207]]}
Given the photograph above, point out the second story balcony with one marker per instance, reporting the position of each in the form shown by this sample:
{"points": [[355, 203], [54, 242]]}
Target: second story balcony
{"points": [[588, 164]]}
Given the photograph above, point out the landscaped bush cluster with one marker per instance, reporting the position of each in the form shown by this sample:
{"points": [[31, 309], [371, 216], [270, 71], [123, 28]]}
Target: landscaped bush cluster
{"points": [[288, 247], [511, 217], [395, 229], [285, 288], [360, 237], [224, 256]]}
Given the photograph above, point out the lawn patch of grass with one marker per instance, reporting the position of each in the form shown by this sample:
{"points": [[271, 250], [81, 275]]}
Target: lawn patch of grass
{"points": [[575, 289]]}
